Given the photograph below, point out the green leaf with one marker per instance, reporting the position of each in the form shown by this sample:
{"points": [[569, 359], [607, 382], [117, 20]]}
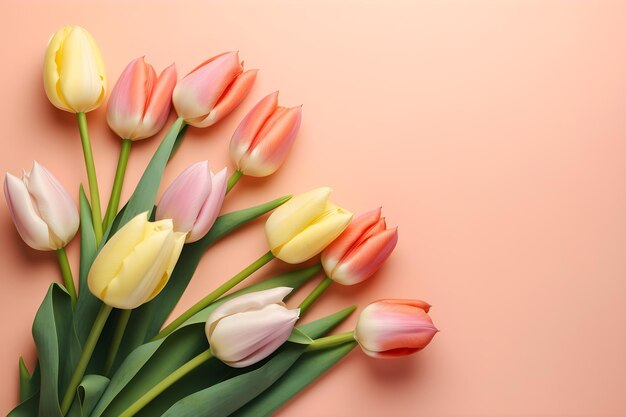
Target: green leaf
{"points": [[57, 348], [146, 321], [89, 392], [246, 384], [28, 408], [151, 362], [29, 384], [299, 337], [307, 369], [144, 197]]}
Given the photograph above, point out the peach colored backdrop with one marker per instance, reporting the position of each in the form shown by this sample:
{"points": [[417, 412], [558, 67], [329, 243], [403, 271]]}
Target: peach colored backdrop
{"points": [[493, 133]]}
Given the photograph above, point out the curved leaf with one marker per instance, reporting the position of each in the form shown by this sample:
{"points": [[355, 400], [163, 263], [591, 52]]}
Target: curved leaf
{"points": [[29, 384], [89, 392]]}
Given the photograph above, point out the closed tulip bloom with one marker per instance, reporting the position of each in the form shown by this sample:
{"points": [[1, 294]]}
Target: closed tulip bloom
{"points": [[194, 200], [140, 101], [74, 75], [260, 144], [43, 212], [136, 263], [392, 328], [212, 90], [303, 226], [360, 250], [248, 328]]}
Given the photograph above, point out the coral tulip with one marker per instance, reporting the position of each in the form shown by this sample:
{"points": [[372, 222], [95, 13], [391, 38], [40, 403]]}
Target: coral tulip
{"points": [[43, 212], [194, 200], [248, 328], [212, 90]]}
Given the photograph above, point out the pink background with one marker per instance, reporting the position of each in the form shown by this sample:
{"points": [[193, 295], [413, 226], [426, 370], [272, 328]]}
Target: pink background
{"points": [[493, 133]]}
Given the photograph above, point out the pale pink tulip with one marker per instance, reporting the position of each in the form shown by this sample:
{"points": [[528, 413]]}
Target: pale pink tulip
{"points": [[392, 328], [43, 212], [212, 90], [360, 250], [140, 102], [260, 144], [193, 200], [248, 328]]}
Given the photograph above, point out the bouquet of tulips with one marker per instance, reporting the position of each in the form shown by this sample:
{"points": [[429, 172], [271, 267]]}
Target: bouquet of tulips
{"points": [[103, 347]]}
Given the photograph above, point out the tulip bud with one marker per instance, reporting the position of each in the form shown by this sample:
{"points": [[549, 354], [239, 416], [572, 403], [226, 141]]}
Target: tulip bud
{"points": [[360, 250], [140, 102], [136, 263], [74, 76], [260, 144], [43, 212], [391, 328], [249, 328], [303, 226], [212, 90], [194, 200]]}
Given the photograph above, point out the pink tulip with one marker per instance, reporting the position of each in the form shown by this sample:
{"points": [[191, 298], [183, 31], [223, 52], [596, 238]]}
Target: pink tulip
{"points": [[212, 90], [261, 142], [193, 201], [140, 102], [360, 250], [248, 328], [392, 328], [43, 212]]}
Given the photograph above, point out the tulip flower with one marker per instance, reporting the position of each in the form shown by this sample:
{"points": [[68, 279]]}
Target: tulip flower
{"points": [[74, 75], [305, 225], [43, 212], [391, 328], [212, 90], [248, 328], [140, 101], [75, 81], [261, 142], [360, 250], [194, 200], [136, 263]]}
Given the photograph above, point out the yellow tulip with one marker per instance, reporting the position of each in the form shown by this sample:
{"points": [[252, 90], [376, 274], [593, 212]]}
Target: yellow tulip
{"points": [[302, 227], [136, 263], [74, 76]]}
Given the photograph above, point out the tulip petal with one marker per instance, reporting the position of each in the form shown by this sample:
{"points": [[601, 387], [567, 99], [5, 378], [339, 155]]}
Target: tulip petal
{"points": [[32, 229], [128, 98], [295, 215], [277, 340], [51, 69], [159, 104], [251, 125], [211, 208]]}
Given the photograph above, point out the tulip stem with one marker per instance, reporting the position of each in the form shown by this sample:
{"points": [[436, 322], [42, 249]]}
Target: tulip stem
{"points": [[117, 340], [167, 382], [116, 191], [85, 356], [234, 179], [314, 295], [94, 194], [66, 272], [331, 341], [217, 293]]}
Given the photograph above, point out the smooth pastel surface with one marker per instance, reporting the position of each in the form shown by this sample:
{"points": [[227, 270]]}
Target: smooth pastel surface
{"points": [[493, 133]]}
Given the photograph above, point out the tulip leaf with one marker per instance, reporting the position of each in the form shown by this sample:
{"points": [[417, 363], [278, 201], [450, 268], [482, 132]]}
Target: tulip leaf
{"points": [[244, 385], [57, 347], [27, 408], [29, 383], [144, 197], [306, 370], [146, 321], [298, 336], [151, 362], [89, 392]]}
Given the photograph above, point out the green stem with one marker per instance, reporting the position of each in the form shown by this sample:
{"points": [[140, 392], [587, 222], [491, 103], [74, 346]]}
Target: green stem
{"points": [[233, 180], [166, 383], [217, 293], [116, 191], [66, 272], [315, 294], [117, 340], [94, 194], [85, 356], [331, 341]]}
